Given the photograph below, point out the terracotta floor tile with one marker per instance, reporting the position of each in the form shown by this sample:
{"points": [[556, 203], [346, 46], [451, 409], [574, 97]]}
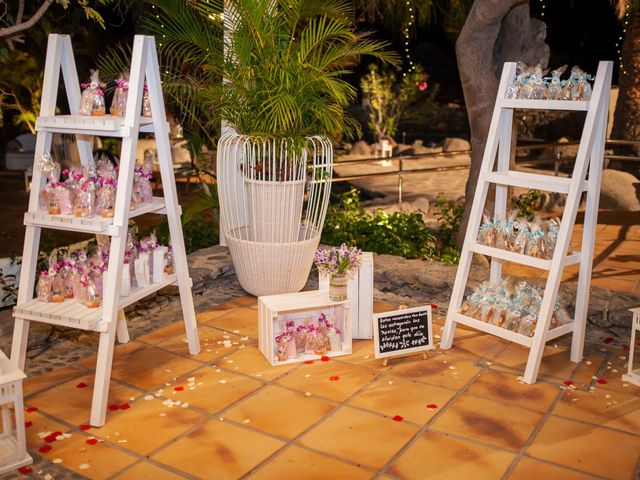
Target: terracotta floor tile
{"points": [[163, 333], [151, 367], [241, 320], [279, 411], [73, 405], [208, 315], [447, 458], [391, 395], [120, 350], [320, 379], [218, 448], [218, 389], [147, 471], [381, 307], [309, 465], [477, 346], [161, 425], [97, 461], [36, 384], [39, 425], [363, 354], [556, 362], [250, 361], [505, 387], [246, 301], [495, 423], [438, 369], [211, 343], [603, 408], [587, 448], [364, 438], [612, 373], [530, 469]]}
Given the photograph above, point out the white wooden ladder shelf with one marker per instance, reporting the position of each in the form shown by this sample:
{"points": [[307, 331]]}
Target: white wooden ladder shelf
{"points": [[108, 320], [495, 170]]}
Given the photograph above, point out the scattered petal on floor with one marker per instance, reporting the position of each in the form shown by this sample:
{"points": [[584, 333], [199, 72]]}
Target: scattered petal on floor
{"points": [[308, 362], [28, 423], [84, 466], [179, 389], [601, 381], [92, 441], [56, 460], [32, 409], [334, 378], [45, 448], [113, 408], [85, 427], [125, 406], [568, 383], [432, 406], [81, 385], [324, 358], [397, 418], [25, 470]]}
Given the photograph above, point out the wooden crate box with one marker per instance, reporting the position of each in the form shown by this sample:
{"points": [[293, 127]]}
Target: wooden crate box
{"points": [[303, 309], [360, 292]]}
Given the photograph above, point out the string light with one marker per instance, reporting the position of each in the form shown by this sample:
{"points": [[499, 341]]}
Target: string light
{"points": [[405, 31], [625, 25]]}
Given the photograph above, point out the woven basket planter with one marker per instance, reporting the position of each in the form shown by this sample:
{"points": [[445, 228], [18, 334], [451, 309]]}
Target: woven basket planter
{"points": [[273, 203]]}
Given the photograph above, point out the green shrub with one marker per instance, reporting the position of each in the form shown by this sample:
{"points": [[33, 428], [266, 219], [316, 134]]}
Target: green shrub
{"points": [[402, 234], [449, 218], [525, 204]]}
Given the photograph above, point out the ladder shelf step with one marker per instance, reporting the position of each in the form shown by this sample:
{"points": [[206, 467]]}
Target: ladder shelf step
{"points": [[72, 313], [96, 224], [520, 258], [535, 181], [575, 105], [106, 125], [493, 329]]}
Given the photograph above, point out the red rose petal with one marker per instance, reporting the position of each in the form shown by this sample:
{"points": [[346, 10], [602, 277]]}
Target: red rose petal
{"points": [[324, 358], [601, 381], [178, 389], [397, 418], [52, 437], [113, 408], [45, 448], [308, 362], [608, 340], [125, 406], [85, 427], [28, 423], [92, 441], [334, 378], [432, 405], [25, 470], [81, 385], [32, 409], [434, 306], [568, 383]]}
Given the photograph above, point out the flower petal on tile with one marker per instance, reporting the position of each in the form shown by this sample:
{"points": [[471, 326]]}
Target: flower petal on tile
{"points": [[397, 418], [601, 381], [568, 383], [334, 378], [25, 470], [28, 423], [324, 358], [32, 409], [45, 448], [92, 441], [85, 427], [432, 405], [308, 362], [179, 389], [81, 385], [114, 407], [125, 406]]}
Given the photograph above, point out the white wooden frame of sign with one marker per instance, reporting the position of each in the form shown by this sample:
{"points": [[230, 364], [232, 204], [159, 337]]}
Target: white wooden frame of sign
{"points": [[360, 292], [13, 444], [589, 159], [633, 374], [270, 307], [423, 349], [109, 320]]}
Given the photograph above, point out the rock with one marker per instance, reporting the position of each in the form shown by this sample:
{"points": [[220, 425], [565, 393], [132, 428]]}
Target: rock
{"points": [[455, 145], [569, 150], [419, 148], [361, 148], [619, 191]]}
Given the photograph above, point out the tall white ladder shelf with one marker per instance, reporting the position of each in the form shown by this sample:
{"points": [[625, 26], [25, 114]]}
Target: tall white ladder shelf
{"points": [[589, 158], [109, 320]]}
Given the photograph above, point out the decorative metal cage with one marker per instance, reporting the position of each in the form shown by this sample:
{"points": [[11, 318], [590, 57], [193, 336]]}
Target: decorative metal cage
{"points": [[273, 196]]}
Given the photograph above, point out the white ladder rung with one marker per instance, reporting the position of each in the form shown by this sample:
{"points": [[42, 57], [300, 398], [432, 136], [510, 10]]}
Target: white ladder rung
{"points": [[519, 258], [575, 105], [532, 181], [492, 329]]}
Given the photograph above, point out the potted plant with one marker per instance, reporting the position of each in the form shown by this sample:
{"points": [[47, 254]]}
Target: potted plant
{"points": [[284, 96]]}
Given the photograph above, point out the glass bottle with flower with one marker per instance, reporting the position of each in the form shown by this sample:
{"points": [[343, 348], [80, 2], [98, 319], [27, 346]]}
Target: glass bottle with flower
{"points": [[339, 264]]}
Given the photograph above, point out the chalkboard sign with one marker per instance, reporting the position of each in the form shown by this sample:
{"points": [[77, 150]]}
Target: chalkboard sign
{"points": [[402, 331]]}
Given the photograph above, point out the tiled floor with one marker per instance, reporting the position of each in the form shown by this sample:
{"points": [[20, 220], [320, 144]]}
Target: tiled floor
{"points": [[227, 413]]}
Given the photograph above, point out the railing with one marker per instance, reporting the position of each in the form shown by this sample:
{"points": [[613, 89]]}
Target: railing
{"points": [[558, 159]]}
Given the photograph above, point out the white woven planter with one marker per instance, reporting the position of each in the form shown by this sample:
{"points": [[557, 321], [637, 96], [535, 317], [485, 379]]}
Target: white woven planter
{"points": [[272, 206]]}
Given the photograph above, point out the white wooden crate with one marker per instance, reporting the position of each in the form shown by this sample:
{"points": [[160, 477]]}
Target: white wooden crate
{"points": [[360, 292], [303, 308]]}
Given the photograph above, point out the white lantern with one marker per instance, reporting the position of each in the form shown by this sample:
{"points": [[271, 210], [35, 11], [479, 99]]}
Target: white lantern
{"points": [[633, 375], [273, 196], [13, 449]]}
